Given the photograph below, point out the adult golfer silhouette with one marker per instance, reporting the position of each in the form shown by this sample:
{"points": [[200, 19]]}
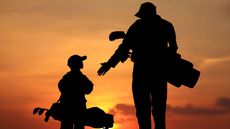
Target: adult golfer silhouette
{"points": [[151, 39]]}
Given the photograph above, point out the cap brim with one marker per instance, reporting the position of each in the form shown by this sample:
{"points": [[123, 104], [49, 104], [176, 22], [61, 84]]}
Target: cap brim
{"points": [[83, 58], [138, 14]]}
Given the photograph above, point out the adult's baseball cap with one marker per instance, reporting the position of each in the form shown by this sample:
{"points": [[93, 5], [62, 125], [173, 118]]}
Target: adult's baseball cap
{"points": [[146, 9]]}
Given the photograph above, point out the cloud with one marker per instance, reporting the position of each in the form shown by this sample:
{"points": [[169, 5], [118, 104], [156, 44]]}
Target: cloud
{"points": [[213, 61], [217, 60], [216, 71], [190, 109], [125, 112], [222, 107], [123, 109], [223, 102], [216, 66]]}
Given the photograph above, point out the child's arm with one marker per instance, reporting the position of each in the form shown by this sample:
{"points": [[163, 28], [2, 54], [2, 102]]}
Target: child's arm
{"points": [[88, 85]]}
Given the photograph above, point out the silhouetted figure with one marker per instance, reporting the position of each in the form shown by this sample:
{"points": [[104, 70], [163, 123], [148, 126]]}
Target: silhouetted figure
{"points": [[73, 87], [150, 39]]}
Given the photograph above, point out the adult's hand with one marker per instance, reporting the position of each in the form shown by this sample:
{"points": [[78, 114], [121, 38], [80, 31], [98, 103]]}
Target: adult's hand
{"points": [[103, 69]]}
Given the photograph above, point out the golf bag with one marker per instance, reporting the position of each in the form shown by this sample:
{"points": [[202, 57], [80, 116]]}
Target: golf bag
{"points": [[93, 117]]}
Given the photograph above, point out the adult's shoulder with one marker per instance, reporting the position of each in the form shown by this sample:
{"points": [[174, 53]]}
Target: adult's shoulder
{"points": [[166, 22], [134, 27], [138, 22]]}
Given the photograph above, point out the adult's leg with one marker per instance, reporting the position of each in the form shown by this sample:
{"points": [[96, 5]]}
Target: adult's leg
{"points": [[159, 98], [141, 96]]}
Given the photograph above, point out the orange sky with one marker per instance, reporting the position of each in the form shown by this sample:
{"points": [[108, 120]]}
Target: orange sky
{"points": [[38, 36]]}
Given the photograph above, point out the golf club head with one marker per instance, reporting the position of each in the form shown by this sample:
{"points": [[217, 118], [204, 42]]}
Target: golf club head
{"points": [[116, 35], [41, 111], [35, 111]]}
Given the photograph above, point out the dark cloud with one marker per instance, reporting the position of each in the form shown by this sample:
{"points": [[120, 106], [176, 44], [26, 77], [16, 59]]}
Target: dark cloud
{"points": [[189, 109], [125, 112], [223, 102], [222, 107]]}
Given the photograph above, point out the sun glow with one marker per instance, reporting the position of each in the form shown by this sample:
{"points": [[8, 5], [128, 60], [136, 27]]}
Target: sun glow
{"points": [[116, 126]]}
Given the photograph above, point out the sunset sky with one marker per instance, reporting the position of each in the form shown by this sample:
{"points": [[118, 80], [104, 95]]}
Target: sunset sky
{"points": [[38, 36]]}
